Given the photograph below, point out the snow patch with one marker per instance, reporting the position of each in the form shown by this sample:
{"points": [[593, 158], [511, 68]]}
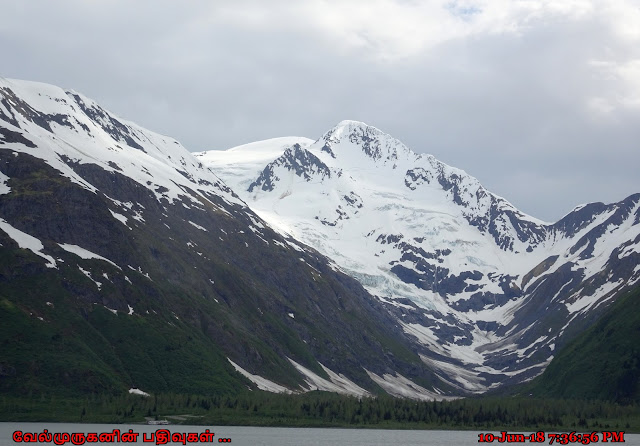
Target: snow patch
{"points": [[262, 383], [583, 303], [197, 226], [4, 187], [88, 274], [112, 310], [85, 253], [26, 241], [401, 387], [338, 383], [121, 218], [135, 391]]}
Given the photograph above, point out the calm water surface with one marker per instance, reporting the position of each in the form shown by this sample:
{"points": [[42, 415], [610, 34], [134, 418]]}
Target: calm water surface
{"points": [[272, 436]]}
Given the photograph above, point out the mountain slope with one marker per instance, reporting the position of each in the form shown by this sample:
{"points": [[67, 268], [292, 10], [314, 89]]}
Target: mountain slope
{"points": [[490, 291], [124, 262], [601, 363]]}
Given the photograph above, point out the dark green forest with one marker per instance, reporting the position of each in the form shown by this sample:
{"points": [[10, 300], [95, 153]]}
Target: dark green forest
{"points": [[322, 409]]}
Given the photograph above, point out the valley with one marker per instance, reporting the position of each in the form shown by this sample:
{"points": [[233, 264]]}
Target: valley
{"points": [[349, 264]]}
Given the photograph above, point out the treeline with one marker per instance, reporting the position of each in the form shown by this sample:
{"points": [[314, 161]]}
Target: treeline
{"points": [[326, 409], [319, 408]]}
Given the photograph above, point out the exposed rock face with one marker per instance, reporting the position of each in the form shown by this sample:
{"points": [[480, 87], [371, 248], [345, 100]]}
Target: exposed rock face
{"points": [[296, 160], [490, 291], [116, 243]]}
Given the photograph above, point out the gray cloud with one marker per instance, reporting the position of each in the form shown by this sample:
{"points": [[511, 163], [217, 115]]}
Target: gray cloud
{"points": [[539, 106]]}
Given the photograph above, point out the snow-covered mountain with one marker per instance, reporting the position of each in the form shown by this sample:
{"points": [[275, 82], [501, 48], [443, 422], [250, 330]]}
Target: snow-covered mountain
{"points": [[126, 262], [488, 290], [117, 244]]}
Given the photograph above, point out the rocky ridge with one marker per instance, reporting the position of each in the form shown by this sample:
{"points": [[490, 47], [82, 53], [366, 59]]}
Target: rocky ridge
{"points": [[490, 291]]}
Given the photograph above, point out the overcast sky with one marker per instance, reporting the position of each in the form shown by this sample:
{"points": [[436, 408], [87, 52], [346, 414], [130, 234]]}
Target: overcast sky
{"points": [[540, 100]]}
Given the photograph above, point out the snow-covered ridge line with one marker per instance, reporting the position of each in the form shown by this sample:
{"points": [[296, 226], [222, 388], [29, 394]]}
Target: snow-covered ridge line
{"points": [[63, 127], [461, 266]]}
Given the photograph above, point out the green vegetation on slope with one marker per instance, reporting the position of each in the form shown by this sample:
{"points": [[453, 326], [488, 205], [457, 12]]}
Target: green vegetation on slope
{"points": [[603, 362], [55, 346]]}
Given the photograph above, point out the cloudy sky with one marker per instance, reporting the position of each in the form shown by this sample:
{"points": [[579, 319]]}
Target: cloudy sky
{"points": [[540, 100]]}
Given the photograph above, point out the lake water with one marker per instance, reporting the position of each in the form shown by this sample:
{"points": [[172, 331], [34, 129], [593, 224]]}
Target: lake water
{"points": [[272, 436]]}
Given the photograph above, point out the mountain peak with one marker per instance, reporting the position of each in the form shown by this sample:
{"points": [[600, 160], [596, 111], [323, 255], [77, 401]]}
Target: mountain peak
{"points": [[372, 141], [346, 128], [350, 124]]}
